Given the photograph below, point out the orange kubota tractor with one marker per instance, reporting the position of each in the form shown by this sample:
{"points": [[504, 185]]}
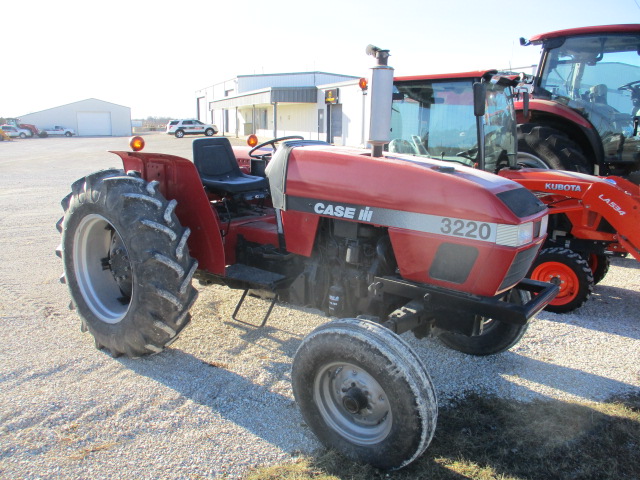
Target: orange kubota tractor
{"points": [[591, 218], [384, 242]]}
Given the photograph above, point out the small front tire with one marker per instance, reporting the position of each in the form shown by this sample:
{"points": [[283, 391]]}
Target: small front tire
{"points": [[209, 132], [570, 271], [364, 392]]}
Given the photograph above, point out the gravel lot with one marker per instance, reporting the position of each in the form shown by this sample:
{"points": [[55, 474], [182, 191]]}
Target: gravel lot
{"points": [[219, 400]]}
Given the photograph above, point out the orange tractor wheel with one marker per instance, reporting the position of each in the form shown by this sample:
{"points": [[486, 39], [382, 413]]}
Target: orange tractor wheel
{"points": [[570, 271]]}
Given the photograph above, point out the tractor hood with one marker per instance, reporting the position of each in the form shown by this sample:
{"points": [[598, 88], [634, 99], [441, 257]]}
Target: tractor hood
{"points": [[301, 177]]}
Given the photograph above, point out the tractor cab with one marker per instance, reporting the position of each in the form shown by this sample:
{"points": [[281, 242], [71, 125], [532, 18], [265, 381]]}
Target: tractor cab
{"points": [[588, 87], [438, 116]]}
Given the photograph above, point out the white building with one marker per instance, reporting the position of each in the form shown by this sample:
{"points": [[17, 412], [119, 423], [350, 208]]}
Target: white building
{"points": [[91, 117], [315, 105]]}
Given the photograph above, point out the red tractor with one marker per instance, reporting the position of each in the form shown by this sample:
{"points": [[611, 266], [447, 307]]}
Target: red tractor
{"points": [[583, 112], [27, 126], [591, 218], [385, 243]]}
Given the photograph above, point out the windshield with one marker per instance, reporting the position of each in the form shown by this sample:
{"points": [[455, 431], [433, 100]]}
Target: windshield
{"points": [[598, 75], [435, 119]]}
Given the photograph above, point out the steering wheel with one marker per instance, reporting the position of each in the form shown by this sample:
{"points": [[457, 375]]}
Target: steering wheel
{"points": [[470, 154], [273, 145], [629, 86]]}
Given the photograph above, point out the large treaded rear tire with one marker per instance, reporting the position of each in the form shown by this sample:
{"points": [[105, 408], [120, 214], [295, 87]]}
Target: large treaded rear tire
{"points": [[364, 392], [126, 263], [540, 146], [496, 336]]}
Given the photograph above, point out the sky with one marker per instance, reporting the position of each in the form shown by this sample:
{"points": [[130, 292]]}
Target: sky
{"points": [[152, 56]]}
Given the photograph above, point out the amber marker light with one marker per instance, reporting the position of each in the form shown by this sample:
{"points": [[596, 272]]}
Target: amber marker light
{"points": [[363, 83], [136, 143], [252, 140]]}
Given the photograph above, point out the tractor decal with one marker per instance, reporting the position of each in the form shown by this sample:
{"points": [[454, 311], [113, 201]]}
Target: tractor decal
{"points": [[565, 187], [612, 204], [500, 234]]}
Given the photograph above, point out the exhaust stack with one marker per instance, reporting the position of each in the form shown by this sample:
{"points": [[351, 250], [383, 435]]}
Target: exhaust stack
{"points": [[381, 101]]}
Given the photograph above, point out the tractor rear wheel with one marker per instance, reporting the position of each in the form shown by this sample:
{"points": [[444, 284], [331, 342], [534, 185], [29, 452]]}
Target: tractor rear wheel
{"points": [[496, 336], [364, 392], [569, 271], [540, 146], [126, 263]]}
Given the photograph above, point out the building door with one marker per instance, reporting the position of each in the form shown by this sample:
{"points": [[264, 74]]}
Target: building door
{"points": [[334, 122]]}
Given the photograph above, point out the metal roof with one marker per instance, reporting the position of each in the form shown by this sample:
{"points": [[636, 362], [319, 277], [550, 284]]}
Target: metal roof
{"points": [[269, 96]]}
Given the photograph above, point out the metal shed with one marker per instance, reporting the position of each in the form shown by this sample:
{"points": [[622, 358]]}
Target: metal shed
{"points": [[91, 117]]}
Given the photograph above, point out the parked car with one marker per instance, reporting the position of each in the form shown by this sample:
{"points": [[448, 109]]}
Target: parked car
{"points": [[180, 128], [57, 130], [12, 131]]}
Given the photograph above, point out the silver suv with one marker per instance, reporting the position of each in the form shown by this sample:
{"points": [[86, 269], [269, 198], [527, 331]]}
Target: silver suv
{"points": [[180, 128]]}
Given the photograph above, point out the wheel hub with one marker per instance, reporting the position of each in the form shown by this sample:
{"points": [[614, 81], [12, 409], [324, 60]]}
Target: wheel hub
{"points": [[120, 266], [354, 400], [353, 403]]}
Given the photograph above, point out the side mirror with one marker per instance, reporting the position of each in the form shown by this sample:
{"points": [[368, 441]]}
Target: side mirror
{"points": [[479, 98]]}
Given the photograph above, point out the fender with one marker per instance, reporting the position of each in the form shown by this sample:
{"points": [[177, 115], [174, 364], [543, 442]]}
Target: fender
{"points": [[178, 180]]}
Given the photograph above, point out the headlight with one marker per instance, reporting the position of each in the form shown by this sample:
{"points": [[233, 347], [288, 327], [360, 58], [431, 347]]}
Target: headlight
{"points": [[525, 233]]}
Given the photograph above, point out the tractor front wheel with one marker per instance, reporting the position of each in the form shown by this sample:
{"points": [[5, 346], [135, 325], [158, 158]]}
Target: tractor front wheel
{"points": [[540, 146], [495, 337], [599, 265], [126, 263], [364, 392], [569, 271]]}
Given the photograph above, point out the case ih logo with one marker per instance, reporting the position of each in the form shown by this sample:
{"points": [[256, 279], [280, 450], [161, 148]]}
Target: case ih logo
{"points": [[341, 211], [565, 187]]}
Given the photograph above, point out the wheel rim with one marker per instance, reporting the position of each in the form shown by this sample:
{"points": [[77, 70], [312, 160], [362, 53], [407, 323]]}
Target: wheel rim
{"points": [[528, 160], [561, 275], [102, 268], [353, 403]]}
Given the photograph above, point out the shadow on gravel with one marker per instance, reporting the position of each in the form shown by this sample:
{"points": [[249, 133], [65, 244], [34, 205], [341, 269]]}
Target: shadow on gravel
{"points": [[572, 381], [237, 399]]}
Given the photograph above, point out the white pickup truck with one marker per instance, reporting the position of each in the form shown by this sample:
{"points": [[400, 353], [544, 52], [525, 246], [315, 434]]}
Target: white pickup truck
{"points": [[57, 130]]}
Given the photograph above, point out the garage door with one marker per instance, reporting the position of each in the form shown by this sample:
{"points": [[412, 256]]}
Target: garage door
{"points": [[94, 123]]}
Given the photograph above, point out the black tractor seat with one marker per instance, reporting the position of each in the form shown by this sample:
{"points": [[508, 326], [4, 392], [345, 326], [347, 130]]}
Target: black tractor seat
{"points": [[219, 169]]}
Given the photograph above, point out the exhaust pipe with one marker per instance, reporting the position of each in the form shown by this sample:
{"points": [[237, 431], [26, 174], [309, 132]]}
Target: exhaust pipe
{"points": [[381, 101]]}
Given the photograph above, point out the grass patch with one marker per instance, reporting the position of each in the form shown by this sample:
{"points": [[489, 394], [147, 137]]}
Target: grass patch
{"points": [[484, 438]]}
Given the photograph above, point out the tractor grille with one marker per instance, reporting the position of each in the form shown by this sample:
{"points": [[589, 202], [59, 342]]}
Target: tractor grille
{"points": [[519, 267]]}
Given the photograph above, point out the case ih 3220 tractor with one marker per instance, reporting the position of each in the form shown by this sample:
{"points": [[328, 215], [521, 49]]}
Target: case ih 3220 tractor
{"points": [[590, 217], [386, 243], [583, 113]]}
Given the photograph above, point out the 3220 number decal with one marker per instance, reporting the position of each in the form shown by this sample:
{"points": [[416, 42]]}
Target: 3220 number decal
{"points": [[465, 228]]}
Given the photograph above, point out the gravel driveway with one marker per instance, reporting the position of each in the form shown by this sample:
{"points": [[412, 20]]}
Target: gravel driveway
{"points": [[219, 400]]}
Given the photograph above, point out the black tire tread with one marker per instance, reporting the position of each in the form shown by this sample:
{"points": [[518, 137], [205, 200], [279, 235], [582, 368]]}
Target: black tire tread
{"points": [[164, 293], [399, 360], [553, 147]]}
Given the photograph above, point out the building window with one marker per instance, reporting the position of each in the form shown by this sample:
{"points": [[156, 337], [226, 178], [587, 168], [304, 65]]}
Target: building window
{"points": [[261, 118]]}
